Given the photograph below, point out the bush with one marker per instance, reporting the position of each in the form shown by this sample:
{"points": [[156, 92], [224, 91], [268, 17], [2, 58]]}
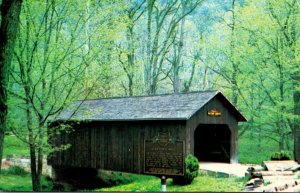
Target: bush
{"points": [[281, 155], [15, 170], [111, 178], [47, 183], [191, 171]]}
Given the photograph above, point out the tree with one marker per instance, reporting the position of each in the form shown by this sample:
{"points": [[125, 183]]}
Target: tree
{"points": [[269, 60], [50, 64], [251, 59], [161, 37], [10, 11], [106, 71], [126, 53]]}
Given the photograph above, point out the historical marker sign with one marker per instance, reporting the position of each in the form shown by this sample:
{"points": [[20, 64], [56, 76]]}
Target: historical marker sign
{"points": [[164, 156]]}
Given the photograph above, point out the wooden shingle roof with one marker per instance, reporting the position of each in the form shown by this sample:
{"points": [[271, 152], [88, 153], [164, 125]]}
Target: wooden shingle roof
{"points": [[158, 107]]}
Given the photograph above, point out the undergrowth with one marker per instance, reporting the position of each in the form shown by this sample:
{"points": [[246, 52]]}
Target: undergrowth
{"points": [[251, 151], [16, 179]]}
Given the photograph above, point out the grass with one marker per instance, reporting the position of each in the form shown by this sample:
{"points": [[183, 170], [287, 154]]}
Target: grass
{"points": [[200, 184], [11, 181], [15, 183], [14, 146], [250, 152], [15, 178]]}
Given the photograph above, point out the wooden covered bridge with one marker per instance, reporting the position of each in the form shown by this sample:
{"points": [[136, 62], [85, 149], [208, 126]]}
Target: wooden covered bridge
{"points": [[110, 133]]}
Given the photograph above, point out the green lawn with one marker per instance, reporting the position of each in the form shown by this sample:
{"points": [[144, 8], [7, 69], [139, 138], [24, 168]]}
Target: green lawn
{"points": [[10, 182], [16, 178], [201, 183], [14, 146], [15, 183]]}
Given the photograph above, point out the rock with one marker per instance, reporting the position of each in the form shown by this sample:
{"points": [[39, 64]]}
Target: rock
{"points": [[256, 182]]}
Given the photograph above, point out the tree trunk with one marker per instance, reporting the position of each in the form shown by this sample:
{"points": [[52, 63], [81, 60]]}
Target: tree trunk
{"points": [[32, 147], [179, 56], [130, 59], [130, 83], [149, 37], [2, 128], [34, 177], [10, 11], [234, 87], [296, 131], [40, 154], [282, 108]]}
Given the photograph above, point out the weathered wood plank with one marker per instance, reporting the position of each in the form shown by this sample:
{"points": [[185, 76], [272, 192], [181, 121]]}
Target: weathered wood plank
{"points": [[278, 178], [278, 186], [280, 165], [276, 173], [112, 146], [292, 189]]}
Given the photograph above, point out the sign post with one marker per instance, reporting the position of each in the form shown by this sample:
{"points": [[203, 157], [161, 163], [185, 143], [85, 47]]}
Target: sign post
{"points": [[163, 184]]}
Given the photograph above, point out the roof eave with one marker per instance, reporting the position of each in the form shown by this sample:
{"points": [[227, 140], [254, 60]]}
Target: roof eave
{"points": [[120, 120], [240, 116]]}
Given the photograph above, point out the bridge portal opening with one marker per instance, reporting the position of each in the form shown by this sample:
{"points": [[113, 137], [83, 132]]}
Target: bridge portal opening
{"points": [[212, 143]]}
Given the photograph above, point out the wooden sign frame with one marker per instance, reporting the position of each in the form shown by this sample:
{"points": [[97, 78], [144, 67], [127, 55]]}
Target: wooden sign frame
{"points": [[163, 157]]}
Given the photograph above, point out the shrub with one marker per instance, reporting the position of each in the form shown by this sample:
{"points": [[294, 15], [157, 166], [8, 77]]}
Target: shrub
{"points": [[191, 171], [281, 155], [15, 170], [47, 184], [115, 178]]}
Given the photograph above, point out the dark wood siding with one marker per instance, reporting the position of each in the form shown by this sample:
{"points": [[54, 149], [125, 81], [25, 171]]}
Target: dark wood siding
{"points": [[201, 117], [119, 145], [111, 145]]}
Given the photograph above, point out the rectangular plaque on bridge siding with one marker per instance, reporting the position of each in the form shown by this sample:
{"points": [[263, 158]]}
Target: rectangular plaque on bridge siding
{"points": [[164, 156]]}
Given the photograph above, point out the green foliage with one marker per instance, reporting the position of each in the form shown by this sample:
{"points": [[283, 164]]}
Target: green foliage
{"points": [[191, 171], [282, 155], [255, 151], [15, 170], [64, 48], [47, 184], [110, 178]]}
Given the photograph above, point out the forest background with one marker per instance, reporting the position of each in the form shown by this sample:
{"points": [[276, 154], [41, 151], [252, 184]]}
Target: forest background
{"points": [[73, 49]]}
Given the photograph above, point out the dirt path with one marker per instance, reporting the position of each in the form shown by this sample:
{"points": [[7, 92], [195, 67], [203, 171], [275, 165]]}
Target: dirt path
{"points": [[225, 169]]}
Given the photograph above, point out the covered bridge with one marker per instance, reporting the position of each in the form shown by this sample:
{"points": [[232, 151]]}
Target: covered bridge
{"points": [[110, 133]]}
